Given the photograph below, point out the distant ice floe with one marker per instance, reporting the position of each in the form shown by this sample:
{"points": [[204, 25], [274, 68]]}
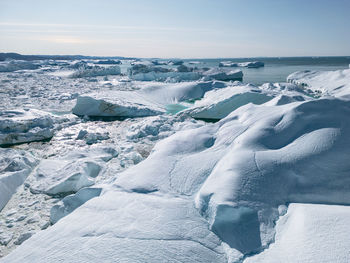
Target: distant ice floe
{"points": [[145, 72], [96, 71], [323, 83], [20, 126], [15, 165], [253, 64], [16, 65]]}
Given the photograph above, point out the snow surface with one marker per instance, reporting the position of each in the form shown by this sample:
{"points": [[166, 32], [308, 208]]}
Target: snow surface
{"points": [[333, 83]]}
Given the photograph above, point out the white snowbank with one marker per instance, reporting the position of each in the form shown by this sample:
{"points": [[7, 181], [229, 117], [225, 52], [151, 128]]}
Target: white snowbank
{"points": [[310, 233], [334, 83], [15, 166], [62, 175], [19, 126]]}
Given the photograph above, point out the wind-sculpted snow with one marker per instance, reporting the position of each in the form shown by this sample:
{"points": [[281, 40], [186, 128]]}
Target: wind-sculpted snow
{"points": [[19, 126], [333, 83], [126, 227], [246, 165], [15, 165]]}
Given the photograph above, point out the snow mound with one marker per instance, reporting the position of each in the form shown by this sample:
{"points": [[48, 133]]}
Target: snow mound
{"points": [[20, 126], [310, 233], [67, 174], [15, 165], [218, 103], [12, 66], [223, 75], [243, 167], [96, 71], [333, 83]]}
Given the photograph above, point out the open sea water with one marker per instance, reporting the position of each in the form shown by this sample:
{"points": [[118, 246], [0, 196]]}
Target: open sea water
{"points": [[277, 69]]}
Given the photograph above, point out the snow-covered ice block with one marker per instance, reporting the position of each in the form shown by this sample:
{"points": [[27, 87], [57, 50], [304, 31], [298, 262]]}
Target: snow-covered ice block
{"points": [[72, 202], [309, 233], [20, 126], [224, 75], [125, 227], [218, 103], [96, 71], [151, 99], [67, 174], [334, 83], [116, 103], [15, 166]]}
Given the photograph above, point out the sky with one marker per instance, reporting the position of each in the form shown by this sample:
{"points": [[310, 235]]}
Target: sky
{"points": [[176, 28]]}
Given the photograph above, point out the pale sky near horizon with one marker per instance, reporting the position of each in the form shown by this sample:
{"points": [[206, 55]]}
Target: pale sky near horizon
{"points": [[176, 28]]}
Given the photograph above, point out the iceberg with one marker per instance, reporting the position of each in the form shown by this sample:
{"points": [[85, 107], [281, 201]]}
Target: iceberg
{"points": [[251, 64], [223, 75], [115, 104], [28, 125]]}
